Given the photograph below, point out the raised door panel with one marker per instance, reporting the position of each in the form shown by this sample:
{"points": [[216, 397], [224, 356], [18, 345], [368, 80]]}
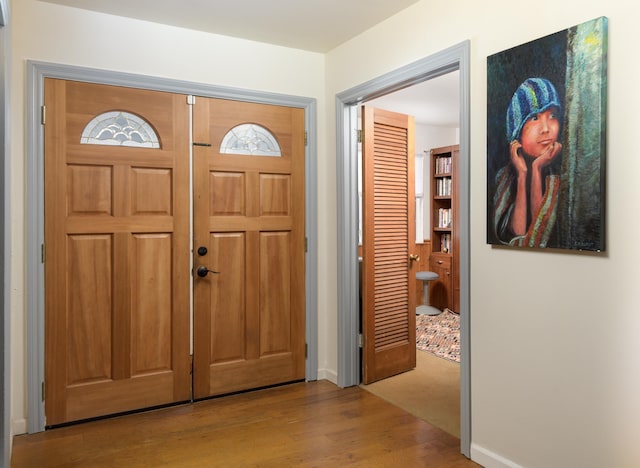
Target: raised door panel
{"points": [[227, 329], [151, 317], [275, 294], [90, 302]]}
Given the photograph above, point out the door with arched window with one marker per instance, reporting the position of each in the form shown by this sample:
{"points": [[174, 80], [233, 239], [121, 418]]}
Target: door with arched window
{"points": [[118, 258], [117, 242], [249, 229]]}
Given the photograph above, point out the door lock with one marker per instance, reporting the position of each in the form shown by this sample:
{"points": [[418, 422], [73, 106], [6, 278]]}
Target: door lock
{"points": [[414, 257], [202, 271]]}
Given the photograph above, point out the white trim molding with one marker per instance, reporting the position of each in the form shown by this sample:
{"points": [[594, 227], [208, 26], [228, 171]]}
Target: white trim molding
{"points": [[489, 459], [6, 432]]}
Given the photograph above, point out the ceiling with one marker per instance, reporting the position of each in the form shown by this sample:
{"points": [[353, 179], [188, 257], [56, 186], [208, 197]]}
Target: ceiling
{"points": [[435, 102], [313, 25]]}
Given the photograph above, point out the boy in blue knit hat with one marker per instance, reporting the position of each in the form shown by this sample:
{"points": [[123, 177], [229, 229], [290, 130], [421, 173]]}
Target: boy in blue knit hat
{"points": [[526, 192]]}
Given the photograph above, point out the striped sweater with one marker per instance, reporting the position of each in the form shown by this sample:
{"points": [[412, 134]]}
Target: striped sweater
{"points": [[542, 223]]}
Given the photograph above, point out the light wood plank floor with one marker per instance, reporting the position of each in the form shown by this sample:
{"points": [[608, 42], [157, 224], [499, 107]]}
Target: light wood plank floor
{"points": [[304, 424]]}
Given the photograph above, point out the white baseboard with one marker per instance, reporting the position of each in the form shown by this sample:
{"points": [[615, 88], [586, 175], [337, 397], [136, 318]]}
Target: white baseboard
{"points": [[326, 374], [488, 459], [18, 426]]}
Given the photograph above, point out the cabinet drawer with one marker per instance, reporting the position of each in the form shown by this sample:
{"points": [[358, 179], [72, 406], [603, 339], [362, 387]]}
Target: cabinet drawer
{"points": [[440, 290], [440, 261]]}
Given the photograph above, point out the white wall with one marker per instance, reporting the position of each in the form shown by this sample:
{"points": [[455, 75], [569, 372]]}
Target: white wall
{"points": [[555, 336], [429, 136], [51, 33]]}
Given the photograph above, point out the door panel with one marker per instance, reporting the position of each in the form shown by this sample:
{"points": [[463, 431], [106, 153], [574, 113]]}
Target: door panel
{"points": [[388, 283], [227, 330], [249, 214], [117, 254]]}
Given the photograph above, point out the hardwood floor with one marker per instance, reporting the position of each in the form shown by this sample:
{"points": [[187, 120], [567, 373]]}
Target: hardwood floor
{"points": [[304, 424]]}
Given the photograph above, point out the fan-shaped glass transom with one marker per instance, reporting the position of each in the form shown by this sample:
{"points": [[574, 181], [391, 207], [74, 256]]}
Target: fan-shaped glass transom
{"points": [[250, 139], [119, 128]]}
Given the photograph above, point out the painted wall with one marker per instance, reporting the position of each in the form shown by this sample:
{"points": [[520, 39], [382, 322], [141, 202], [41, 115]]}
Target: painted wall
{"points": [[555, 337], [51, 33]]}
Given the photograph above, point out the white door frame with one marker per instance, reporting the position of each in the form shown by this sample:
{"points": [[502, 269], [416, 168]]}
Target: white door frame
{"points": [[448, 60], [5, 235], [36, 74]]}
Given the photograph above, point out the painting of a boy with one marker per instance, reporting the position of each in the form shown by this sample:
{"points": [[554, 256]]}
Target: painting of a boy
{"points": [[545, 141]]}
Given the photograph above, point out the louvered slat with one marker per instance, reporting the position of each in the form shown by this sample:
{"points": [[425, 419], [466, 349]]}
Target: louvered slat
{"points": [[390, 227]]}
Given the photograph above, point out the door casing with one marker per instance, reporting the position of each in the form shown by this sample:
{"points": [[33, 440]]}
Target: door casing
{"points": [[5, 235], [454, 58], [36, 73]]}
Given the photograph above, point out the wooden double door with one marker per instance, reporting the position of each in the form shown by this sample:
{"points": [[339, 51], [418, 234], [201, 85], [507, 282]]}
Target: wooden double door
{"points": [[174, 252]]}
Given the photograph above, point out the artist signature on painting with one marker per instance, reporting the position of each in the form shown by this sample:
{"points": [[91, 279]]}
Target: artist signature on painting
{"points": [[584, 245]]}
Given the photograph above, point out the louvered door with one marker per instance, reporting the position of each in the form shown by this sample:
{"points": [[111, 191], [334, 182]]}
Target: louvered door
{"points": [[388, 286]]}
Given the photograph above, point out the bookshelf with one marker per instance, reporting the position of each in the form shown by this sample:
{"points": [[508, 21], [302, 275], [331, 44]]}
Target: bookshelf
{"points": [[444, 292]]}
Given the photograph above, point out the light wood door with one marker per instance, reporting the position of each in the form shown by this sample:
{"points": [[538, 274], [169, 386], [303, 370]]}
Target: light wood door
{"points": [[388, 218], [249, 216], [117, 254]]}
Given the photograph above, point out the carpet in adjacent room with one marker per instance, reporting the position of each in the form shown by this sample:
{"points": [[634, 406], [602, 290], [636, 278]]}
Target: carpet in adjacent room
{"points": [[439, 334], [431, 391]]}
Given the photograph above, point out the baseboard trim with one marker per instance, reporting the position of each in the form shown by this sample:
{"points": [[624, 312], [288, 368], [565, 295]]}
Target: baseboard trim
{"points": [[18, 427], [326, 374], [489, 459]]}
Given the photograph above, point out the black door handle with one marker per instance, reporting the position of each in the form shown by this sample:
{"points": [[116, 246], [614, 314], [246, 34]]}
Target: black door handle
{"points": [[203, 270]]}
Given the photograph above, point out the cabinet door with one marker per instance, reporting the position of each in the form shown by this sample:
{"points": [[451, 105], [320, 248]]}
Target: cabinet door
{"points": [[440, 290]]}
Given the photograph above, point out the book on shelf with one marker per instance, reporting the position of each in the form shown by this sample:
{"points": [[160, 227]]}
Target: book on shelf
{"points": [[445, 243], [443, 187], [444, 217], [443, 165]]}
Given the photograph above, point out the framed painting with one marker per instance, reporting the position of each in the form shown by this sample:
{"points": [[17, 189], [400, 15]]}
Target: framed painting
{"points": [[546, 141]]}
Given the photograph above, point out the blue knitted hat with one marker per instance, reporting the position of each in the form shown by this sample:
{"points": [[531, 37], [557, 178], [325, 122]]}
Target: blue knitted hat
{"points": [[533, 96]]}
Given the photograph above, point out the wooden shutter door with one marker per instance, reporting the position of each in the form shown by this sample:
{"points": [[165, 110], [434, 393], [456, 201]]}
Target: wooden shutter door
{"points": [[388, 216]]}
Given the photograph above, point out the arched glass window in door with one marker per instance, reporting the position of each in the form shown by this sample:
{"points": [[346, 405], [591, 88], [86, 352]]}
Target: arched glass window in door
{"points": [[119, 128], [251, 140]]}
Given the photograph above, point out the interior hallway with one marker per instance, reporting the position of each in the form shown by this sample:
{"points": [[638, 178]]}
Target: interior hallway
{"points": [[303, 424]]}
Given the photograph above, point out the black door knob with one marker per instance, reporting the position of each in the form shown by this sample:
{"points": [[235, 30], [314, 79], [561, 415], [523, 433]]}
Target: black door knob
{"points": [[202, 271]]}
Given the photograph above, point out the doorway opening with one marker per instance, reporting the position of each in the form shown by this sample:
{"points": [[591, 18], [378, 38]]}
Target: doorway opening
{"points": [[446, 61], [430, 390]]}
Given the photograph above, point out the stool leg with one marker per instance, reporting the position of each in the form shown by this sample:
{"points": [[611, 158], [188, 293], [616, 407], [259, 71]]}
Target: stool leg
{"points": [[425, 292], [426, 309]]}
